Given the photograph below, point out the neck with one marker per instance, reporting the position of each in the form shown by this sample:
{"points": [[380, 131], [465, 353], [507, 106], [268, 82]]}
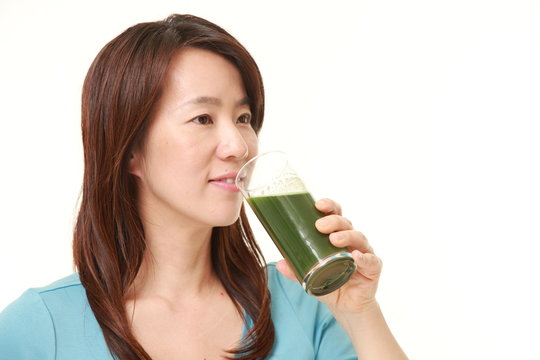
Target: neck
{"points": [[177, 262]]}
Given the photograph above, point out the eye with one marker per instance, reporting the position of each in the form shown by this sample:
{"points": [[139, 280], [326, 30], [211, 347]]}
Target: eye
{"points": [[244, 119], [202, 120]]}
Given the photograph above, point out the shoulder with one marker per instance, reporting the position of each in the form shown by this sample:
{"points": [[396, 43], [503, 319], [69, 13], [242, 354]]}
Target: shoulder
{"points": [[66, 294], [64, 299], [37, 299], [68, 281], [27, 325]]}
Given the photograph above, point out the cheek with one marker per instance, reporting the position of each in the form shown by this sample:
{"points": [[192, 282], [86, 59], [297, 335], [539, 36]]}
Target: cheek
{"points": [[252, 142], [168, 154]]}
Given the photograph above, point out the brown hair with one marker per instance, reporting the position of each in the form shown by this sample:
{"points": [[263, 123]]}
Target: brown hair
{"points": [[121, 87]]}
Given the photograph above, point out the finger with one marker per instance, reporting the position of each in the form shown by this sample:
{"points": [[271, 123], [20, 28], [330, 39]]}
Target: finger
{"points": [[285, 269], [369, 265], [352, 239], [332, 223], [328, 206]]}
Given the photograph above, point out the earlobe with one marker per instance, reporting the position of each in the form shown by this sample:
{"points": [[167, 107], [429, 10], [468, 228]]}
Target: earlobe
{"points": [[134, 165]]}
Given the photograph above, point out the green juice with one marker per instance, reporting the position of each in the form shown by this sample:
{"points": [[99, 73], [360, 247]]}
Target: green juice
{"points": [[290, 221]]}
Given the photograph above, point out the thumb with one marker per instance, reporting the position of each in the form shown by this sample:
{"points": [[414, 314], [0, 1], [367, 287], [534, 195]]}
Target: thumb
{"points": [[285, 270]]}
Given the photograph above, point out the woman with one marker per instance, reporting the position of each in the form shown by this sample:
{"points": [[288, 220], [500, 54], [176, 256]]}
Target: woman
{"points": [[167, 264]]}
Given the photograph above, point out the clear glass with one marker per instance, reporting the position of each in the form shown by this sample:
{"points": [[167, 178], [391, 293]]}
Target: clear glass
{"points": [[279, 198]]}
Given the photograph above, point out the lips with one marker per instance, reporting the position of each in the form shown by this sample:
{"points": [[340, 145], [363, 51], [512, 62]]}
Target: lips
{"points": [[229, 177], [225, 182]]}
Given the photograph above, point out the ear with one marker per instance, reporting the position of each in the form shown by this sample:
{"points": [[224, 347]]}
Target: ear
{"points": [[135, 164]]}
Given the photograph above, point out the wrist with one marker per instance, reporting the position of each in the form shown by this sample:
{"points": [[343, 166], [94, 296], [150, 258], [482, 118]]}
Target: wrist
{"points": [[361, 318], [359, 308]]}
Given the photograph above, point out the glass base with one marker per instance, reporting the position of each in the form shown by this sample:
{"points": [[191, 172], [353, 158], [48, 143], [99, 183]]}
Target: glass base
{"points": [[329, 274]]}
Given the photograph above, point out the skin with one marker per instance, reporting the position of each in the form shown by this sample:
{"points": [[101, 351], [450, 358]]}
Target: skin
{"points": [[200, 131], [354, 304]]}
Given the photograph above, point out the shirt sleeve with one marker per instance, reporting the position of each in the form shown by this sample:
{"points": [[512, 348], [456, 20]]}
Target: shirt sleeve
{"points": [[26, 329]]}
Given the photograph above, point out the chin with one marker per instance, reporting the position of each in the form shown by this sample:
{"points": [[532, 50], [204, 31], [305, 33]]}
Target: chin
{"points": [[226, 222], [224, 214], [225, 219]]}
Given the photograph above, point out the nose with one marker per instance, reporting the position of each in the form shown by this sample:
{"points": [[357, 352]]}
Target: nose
{"points": [[232, 144]]}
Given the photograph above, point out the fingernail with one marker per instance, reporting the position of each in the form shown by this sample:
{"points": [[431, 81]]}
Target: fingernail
{"points": [[323, 222], [337, 236], [322, 202], [357, 255]]}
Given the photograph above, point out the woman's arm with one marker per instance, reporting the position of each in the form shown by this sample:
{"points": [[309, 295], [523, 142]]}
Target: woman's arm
{"points": [[370, 335], [354, 305]]}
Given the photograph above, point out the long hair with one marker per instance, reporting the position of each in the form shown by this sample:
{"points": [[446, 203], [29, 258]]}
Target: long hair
{"points": [[121, 87]]}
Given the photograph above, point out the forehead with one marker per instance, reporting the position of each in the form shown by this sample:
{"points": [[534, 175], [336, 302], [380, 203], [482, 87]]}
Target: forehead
{"points": [[198, 69]]}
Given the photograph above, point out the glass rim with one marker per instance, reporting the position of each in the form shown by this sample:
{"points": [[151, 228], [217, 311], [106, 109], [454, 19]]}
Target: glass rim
{"points": [[242, 172]]}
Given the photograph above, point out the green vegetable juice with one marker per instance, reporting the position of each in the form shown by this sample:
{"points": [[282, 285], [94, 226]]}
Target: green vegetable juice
{"points": [[290, 220]]}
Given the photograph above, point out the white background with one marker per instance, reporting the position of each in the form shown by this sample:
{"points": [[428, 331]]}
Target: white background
{"points": [[420, 117]]}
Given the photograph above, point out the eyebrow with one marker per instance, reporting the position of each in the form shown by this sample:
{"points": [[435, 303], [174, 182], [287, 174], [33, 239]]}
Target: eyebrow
{"points": [[213, 101]]}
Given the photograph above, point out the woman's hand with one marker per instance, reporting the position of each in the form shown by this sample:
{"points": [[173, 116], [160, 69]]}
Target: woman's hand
{"points": [[354, 305], [358, 294]]}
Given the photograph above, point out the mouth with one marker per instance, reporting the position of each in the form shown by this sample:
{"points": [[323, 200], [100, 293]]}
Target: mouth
{"points": [[227, 181], [227, 178]]}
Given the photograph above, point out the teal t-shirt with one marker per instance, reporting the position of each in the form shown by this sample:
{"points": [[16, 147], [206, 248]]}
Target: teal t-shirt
{"points": [[56, 322]]}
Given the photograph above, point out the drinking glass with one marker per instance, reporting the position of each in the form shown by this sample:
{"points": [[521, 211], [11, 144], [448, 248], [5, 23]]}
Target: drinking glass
{"points": [[279, 198]]}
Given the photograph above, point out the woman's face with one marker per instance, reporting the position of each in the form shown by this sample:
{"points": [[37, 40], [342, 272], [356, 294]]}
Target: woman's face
{"points": [[198, 138]]}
